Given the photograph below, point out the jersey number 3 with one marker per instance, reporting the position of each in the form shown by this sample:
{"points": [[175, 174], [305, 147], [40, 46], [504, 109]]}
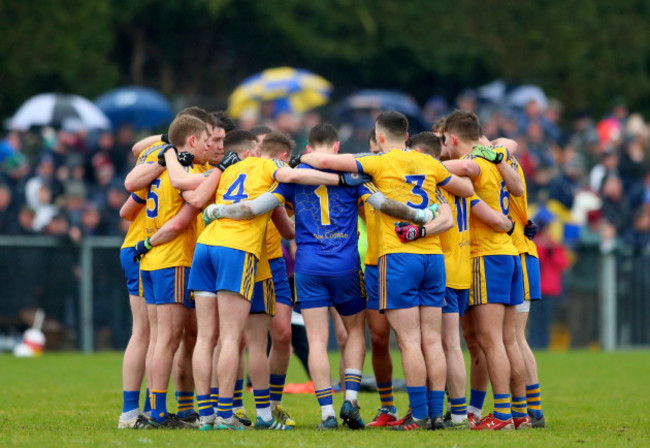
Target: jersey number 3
{"points": [[236, 190], [418, 180]]}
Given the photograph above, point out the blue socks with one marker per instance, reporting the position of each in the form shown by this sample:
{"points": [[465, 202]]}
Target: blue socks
{"points": [[418, 400], [131, 400], [435, 402]]}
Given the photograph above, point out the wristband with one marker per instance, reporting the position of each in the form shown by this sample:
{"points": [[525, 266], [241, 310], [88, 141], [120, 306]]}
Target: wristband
{"points": [[147, 244]]}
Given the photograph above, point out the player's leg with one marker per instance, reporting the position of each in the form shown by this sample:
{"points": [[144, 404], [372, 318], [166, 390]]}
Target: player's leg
{"points": [[182, 373], [153, 338], [238, 394], [233, 313], [341, 335], [256, 333], [479, 379], [382, 363], [202, 361], [214, 381], [456, 373]]}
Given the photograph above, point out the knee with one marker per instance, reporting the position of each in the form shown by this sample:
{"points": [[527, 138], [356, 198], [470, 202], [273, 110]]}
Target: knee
{"points": [[379, 343], [281, 338]]}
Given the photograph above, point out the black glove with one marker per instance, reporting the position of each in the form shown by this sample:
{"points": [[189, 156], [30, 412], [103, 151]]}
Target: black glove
{"points": [[407, 231], [185, 158], [229, 159], [513, 226], [353, 179], [141, 248], [165, 138], [161, 154], [530, 230], [295, 161]]}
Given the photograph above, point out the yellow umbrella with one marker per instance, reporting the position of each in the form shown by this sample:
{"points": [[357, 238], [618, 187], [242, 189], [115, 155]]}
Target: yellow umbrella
{"points": [[301, 89]]}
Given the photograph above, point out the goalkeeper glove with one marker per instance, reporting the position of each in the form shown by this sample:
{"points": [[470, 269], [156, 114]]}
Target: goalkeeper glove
{"points": [[295, 161], [487, 153], [409, 232], [161, 154], [530, 230], [185, 158], [353, 179], [141, 248], [212, 212]]}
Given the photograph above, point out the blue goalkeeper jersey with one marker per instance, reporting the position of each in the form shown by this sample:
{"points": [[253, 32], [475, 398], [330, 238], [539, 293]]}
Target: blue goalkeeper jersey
{"points": [[326, 226]]}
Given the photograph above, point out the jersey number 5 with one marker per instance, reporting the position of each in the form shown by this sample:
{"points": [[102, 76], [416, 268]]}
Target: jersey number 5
{"points": [[152, 199], [418, 180], [236, 190]]}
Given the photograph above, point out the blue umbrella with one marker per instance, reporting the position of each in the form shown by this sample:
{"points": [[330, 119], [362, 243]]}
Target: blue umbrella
{"points": [[141, 107]]}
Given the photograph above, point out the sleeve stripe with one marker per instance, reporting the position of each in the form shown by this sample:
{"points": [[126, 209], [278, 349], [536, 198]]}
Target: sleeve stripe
{"points": [[444, 182], [473, 202], [359, 167], [137, 199]]}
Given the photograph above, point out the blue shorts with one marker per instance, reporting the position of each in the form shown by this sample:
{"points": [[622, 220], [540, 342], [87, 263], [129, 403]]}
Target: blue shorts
{"points": [[343, 292], [281, 281], [410, 280], [216, 268], [263, 300], [456, 301], [167, 285], [131, 270], [532, 282], [496, 279], [371, 279]]}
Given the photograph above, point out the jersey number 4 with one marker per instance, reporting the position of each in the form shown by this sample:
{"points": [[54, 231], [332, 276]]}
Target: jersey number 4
{"points": [[418, 180], [236, 190]]}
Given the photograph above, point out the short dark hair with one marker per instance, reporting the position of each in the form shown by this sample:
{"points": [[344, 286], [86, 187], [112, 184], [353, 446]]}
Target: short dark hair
{"points": [[393, 123], [239, 141], [201, 114], [183, 127], [322, 134], [261, 130], [224, 121], [439, 125], [465, 124], [276, 143], [428, 142], [372, 136]]}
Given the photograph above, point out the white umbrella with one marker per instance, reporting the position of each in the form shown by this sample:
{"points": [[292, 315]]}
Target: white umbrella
{"points": [[54, 109], [520, 96]]}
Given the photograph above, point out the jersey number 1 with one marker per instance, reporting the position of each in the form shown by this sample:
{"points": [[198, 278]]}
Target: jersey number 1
{"points": [[324, 199]]}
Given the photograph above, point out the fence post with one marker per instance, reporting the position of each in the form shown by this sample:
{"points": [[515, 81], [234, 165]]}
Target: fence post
{"points": [[86, 302], [608, 301]]}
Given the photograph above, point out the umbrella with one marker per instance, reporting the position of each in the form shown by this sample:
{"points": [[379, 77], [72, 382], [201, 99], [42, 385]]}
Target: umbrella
{"points": [[55, 109], [141, 107], [521, 95], [301, 89]]}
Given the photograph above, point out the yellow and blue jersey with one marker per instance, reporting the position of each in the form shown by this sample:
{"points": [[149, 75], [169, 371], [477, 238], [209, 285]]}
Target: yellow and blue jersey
{"points": [[245, 180], [491, 188], [372, 232], [326, 226], [163, 203], [456, 242], [273, 241], [263, 271], [150, 153], [409, 177], [519, 214]]}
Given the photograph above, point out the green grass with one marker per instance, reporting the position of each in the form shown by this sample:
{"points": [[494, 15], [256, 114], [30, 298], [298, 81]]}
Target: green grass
{"points": [[589, 399]]}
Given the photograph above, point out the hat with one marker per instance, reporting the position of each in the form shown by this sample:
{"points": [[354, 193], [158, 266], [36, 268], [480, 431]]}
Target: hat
{"points": [[594, 216]]}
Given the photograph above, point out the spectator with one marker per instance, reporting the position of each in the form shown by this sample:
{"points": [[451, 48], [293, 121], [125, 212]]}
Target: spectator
{"points": [[615, 208], [608, 166], [8, 212], [44, 208], [564, 186]]}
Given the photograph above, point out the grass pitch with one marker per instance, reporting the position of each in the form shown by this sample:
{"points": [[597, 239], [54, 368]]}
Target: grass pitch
{"points": [[589, 399]]}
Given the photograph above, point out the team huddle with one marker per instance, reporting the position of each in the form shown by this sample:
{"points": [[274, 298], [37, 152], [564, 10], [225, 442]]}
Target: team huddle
{"points": [[449, 242]]}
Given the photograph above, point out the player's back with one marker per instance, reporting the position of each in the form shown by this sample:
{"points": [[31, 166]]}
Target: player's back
{"points": [[163, 203], [372, 216], [243, 181], [491, 188], [519, 214], [409, 177], [456, 243], [326, 227]]}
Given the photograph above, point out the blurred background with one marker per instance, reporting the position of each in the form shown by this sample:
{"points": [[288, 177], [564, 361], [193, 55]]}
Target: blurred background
{"points": [[82, 81]]}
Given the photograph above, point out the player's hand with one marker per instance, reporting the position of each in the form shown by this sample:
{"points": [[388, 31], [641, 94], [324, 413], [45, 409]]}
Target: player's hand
{"points": [[409, 232], [353, 179], [212, 212], [161, 154], [185, 158], [487, 153], [427, 215], [141, 248], [512, 229], [229, 159], [530, 229], [164, 138], [295, 161]]}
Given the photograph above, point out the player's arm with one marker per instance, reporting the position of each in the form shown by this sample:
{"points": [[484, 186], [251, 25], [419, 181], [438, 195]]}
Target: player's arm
{"points": [[181, 179], [205, 191], [512, 179], [460, 186], [496, 220], [131, 207], [242, 210], [508, 143], [170, 230], [334, 162], [463, 168], [144, 143], [283, 223], [411, 232], [141, 176], [399, 210]]}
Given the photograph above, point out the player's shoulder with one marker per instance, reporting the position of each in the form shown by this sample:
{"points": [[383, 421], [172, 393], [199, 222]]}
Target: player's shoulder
{"points": [[150, 153]]}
